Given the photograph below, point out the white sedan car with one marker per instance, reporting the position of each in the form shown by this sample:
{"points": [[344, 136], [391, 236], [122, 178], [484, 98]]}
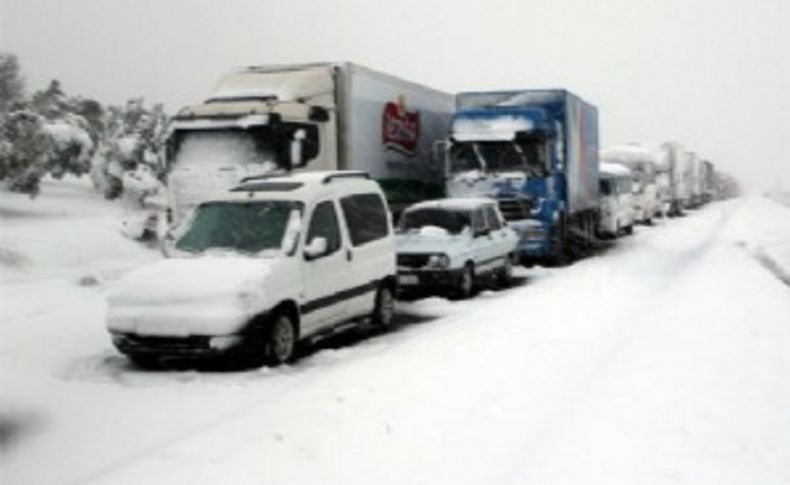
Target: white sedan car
{"points": [[451, 245]]}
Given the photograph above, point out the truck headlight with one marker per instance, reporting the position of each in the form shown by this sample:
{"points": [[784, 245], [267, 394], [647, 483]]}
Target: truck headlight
{"points": [[439, 261]]}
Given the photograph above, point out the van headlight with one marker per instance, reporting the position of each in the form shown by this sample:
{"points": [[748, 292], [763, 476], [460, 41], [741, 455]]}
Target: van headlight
{"points": [[439, 261]]}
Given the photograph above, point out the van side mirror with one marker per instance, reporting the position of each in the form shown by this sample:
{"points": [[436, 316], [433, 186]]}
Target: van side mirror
{"points": [[316, 248]]}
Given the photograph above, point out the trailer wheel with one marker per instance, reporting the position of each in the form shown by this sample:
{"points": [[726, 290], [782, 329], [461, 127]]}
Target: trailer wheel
{"points": [[559, 252]]}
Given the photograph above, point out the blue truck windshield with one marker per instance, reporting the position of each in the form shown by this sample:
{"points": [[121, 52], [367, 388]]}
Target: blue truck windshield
{"points": [[247, 227], [500, 156]]}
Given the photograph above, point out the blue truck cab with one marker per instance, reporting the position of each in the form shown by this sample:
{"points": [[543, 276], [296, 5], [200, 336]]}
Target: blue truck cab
{"points": [[536, 153]]}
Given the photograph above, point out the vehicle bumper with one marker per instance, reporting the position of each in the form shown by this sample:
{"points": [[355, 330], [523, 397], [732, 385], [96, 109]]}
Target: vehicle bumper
{"points": [[410, 279], [189, 346]]}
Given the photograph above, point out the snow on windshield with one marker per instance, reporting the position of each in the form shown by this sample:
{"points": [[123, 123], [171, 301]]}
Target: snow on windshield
{"points": [[208, 163], [451, 221], [248, 227]]}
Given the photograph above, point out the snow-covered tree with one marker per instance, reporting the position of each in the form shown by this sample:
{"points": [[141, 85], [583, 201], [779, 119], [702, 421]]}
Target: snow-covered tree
{"points": [[25, 151], [130, 158], [12, 86]]}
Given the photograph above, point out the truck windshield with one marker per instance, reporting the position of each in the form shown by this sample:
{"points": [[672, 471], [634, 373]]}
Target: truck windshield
{"points": [[452, 221], [500, 156], [247, 227], [606, 187], [223, 149]]}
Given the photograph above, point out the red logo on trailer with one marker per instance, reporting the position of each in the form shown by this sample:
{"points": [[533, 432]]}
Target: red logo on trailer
{"points": [[400, 128]]}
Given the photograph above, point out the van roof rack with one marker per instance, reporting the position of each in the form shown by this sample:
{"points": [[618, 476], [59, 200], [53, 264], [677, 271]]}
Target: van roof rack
{"points": [[262, 176], [345, 175]]}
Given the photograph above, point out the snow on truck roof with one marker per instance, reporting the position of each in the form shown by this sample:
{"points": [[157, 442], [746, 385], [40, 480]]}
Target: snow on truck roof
{"points": [[614, 170], [456, 204], [628, 154]]}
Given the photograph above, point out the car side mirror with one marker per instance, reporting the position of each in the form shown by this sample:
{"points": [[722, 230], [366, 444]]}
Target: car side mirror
{"points": [[316, 248]]}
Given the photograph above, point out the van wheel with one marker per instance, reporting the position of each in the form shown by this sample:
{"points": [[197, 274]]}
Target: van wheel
{"points": [[279, 340], [384, 311], [505, 275], [466, 286]]}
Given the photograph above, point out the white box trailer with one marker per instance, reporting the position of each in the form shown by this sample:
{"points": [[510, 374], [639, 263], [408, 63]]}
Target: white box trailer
{"points": [[322, 116]]}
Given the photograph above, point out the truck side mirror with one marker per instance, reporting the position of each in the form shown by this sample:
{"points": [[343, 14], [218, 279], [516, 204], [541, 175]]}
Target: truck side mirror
{"points": [[297, 148], [316, 248], [438, 152]]}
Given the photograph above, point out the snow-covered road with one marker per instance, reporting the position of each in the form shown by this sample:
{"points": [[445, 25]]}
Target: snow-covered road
{"points": [[663, 360]]}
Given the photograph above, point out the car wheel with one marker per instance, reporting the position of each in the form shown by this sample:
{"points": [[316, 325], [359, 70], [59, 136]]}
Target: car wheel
{"points": [[505, 274], [466, 285], [629, 229], [279, 340], [384, 311]]}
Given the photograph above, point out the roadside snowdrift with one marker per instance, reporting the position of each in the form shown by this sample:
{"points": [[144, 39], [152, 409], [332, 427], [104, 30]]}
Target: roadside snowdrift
{"points": [[664, 360]]}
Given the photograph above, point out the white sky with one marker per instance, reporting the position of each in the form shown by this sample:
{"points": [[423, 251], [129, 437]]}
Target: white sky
{"points": [[712, 74]]}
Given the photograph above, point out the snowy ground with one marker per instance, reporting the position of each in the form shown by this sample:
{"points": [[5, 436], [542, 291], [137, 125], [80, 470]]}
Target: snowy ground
{"points": [[662, 361]]}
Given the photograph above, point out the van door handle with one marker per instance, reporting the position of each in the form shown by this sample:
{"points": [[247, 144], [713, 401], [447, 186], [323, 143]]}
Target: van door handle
{"points": [[349, 255]]}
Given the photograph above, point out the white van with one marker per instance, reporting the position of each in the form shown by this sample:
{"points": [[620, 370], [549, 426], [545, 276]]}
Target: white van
{"points": [[278, 260], [617, 206]]}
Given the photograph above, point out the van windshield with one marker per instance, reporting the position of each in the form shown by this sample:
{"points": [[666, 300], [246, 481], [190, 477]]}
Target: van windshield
{"points": [[247, 227], [452, 221]]}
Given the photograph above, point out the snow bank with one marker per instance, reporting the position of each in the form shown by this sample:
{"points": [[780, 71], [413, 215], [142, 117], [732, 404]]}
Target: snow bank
{"points": [[662, 361], [71, 232]]}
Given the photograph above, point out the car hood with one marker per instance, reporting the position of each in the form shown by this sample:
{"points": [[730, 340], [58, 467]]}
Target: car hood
{"points": [[180, 280], [417, 243]]}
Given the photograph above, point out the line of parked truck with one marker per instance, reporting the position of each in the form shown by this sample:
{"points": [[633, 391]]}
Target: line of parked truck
{"points": [[271, 182]]}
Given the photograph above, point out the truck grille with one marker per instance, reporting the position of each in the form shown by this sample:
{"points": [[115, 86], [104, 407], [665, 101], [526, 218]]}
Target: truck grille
{"points": [[412, 260], [514, 209]]}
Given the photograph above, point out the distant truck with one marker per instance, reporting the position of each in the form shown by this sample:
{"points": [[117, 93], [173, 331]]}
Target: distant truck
{"points": [[308, 117], [536, 153], [671, 156], [642, 163], [617, 207]]}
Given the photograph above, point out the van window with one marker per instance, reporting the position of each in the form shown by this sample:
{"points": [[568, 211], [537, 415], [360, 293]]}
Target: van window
{"points": [[366, 217], [324, 224]]}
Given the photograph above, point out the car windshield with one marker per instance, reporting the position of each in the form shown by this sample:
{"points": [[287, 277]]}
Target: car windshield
{"points": [[247, 227], [452, 221]]}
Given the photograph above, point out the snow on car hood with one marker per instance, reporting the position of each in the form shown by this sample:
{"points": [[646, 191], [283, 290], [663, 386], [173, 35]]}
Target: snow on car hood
{"points": [[430, 240], [187, 279]]}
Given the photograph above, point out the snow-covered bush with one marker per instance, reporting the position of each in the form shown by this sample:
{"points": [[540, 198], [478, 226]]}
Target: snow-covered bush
{"points": [[134, 139], [25, 151]]}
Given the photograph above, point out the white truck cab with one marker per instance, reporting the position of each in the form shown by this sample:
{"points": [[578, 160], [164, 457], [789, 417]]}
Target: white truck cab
{"points": [[279, 259], [617, 207], [452, 244]]}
